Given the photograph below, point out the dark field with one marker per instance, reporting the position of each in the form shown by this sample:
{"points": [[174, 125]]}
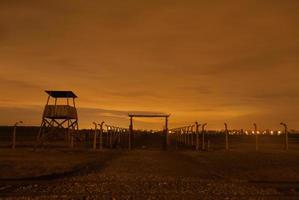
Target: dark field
{"points": [[144, 174], [149, 173]]}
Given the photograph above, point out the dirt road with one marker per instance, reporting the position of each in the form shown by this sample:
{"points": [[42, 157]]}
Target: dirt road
{"points": [[145, 174]]}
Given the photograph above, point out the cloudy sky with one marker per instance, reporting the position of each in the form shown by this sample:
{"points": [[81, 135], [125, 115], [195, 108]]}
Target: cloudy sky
{"points": [[234, 61]]}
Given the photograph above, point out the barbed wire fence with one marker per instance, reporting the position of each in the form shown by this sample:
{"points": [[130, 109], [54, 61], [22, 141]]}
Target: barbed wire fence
{"points": [[194, 136]]}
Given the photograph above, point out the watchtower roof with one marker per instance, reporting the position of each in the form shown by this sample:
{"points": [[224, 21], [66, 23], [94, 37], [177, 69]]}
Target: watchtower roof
{"points": [[61, 94]]}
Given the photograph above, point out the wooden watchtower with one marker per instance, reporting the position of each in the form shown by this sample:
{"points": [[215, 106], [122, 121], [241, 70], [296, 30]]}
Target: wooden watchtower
{"points": [[59, 116]]}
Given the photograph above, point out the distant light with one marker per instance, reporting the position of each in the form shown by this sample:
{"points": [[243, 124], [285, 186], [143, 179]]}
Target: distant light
{"points": [[252, 132], [258, 132], [271, 132], [279, 132]]}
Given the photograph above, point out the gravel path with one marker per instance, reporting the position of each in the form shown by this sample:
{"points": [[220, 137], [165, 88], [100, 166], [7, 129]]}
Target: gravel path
{"points": [[146, 175]]}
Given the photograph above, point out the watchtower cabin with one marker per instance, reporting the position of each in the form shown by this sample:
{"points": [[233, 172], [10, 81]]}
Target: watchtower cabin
{"points": [[60, 115]]}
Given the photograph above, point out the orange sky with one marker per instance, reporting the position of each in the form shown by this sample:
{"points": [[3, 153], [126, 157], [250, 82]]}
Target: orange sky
{"points": [[212, 61]]}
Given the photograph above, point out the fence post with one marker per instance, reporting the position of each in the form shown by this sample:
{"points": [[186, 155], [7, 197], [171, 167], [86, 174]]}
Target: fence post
{"points": [[101, 135], [226, 137], [119, 135], [107, 137], [197, 135], [286, 136], [188, 136], [192, 138], [95, 136], [256, 137], [203, 136], [176, 140], [112, 136], [15, 133]]}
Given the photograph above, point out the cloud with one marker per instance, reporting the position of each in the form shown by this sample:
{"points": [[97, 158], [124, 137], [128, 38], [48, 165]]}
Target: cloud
{"points": [[30, 115], [116, 113], [19, 84]]}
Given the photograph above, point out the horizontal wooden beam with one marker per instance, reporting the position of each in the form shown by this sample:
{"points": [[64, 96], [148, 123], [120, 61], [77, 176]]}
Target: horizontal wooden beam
{"points": [[149, 115]]}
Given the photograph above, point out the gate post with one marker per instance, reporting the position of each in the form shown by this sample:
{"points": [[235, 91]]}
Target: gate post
{"points": [[130, 133]]}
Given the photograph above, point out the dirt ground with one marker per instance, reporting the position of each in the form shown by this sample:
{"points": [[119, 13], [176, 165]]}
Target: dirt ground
{"points": [[151, 174], [27, 163]]}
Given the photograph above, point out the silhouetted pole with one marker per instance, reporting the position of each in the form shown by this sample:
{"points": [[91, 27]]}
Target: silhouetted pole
{"points": [[166, 134], [182, 136], [95, 136], [192, 138], [286, 147], [101, 135], [197, 135], [226, 137], [187, 136], [130, 133], [14, 134], [256, 137], [118, 134], [177, 139], [114, 135], [180, 132], [203, 136], [185, 139], [108, 135], [111, 136]]}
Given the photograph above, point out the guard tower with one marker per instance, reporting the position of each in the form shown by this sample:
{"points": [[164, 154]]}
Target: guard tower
{"points": [[59, 116]]}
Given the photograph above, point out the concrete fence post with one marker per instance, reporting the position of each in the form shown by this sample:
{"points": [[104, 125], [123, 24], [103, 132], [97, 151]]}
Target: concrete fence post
{"points": [[226, 137], [95, 136], [14, 134], [197, 135], [256, 137], [203, 136], [286, 142], [101, 135]]}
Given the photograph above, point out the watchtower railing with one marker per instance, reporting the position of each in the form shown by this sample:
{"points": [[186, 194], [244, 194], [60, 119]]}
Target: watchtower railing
{"points": [[60, 112]]}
